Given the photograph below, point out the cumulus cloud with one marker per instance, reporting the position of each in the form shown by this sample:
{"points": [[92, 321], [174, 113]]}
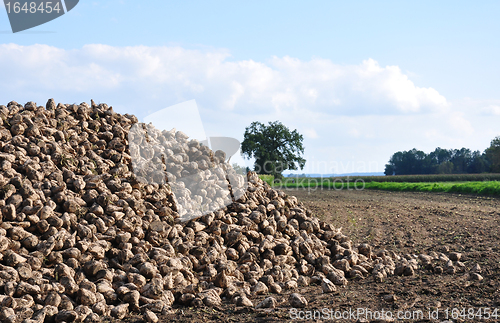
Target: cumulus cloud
{"points": [[458, 121], [346, 112], [168, 75], [310, 133], [491, 110]]}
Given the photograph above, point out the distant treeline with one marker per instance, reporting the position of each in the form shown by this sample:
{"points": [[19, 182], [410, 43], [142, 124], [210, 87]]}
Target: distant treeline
{"points": [[446, 161], [428, 178]]}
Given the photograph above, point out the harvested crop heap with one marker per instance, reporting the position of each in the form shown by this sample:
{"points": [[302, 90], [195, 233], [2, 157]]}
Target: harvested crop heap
{"points": [[82, 238]]}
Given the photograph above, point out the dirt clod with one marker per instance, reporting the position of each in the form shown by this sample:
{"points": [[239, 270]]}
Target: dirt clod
{"points": [[297, 300], [269, 302]]}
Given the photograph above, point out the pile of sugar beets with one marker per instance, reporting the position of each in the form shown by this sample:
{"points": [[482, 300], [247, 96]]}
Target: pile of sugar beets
{"points": [[82, 238]]}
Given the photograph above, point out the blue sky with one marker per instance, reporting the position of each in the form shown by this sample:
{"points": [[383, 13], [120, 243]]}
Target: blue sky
{"points": [[359, 79]]}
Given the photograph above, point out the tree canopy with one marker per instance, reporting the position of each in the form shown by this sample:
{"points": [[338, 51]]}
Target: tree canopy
{"points": [[493, 155], [274, 147], [445, 161]]}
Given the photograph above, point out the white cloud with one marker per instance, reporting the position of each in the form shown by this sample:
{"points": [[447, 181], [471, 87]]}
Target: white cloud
{"points": [[354, 132], [168, 75], [491, 110], [347, 113], [310, 133], [458, 121]]}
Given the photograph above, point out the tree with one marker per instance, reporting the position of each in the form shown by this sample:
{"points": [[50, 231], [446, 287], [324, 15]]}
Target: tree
{"points": [[274, 147], [445, 161], [389, 169], [445, 168], [478, 164], [393, 168], [440, 155], [461, 160], [492, 155], [408, 162]]}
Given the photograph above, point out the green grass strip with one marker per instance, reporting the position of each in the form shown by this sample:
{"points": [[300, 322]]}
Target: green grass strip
{"points": [[269, 179], [480, 188], [432, 178]]}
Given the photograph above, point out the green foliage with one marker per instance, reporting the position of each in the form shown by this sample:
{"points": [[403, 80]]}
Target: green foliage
{"points": [[493, 155], [440, 161], [274, 147], [432, 178], [428, 178], [463, 187], [480, 188], [269, 179], [445, 167]]}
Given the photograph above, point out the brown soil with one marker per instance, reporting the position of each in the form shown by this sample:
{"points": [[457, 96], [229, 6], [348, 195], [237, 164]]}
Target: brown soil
{"points": [[408, 223]]}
